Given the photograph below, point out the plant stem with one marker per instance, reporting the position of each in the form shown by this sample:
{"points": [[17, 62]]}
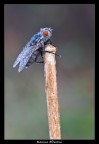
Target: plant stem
{"points": [[51, 93]]}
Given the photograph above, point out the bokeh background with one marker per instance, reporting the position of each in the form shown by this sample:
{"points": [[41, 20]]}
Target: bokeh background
{"points": [[25, 100]]}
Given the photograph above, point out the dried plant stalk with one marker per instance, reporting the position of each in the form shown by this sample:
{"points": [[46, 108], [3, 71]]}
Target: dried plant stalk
{"points": [[51, 93]]}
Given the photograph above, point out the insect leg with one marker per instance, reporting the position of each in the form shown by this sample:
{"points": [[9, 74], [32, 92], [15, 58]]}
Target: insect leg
{"points": [[48, 42], [37, 58]]}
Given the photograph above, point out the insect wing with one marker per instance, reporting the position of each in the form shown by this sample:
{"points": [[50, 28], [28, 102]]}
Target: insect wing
{"points": [[27, 48], [21, 55], [26, 58]]}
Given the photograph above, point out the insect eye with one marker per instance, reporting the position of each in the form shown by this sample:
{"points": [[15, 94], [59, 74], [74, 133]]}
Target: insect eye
{"points": [[45, 33]]}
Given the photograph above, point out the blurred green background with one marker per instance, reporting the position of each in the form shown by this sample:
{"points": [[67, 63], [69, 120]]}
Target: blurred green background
{"points": [[25, 99]]}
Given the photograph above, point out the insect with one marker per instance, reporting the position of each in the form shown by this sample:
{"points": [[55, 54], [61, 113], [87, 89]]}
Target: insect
{"points": [[33, 49]]}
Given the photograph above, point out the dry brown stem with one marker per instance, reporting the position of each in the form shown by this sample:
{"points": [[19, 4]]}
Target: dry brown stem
{"points": [[51, 93]]}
